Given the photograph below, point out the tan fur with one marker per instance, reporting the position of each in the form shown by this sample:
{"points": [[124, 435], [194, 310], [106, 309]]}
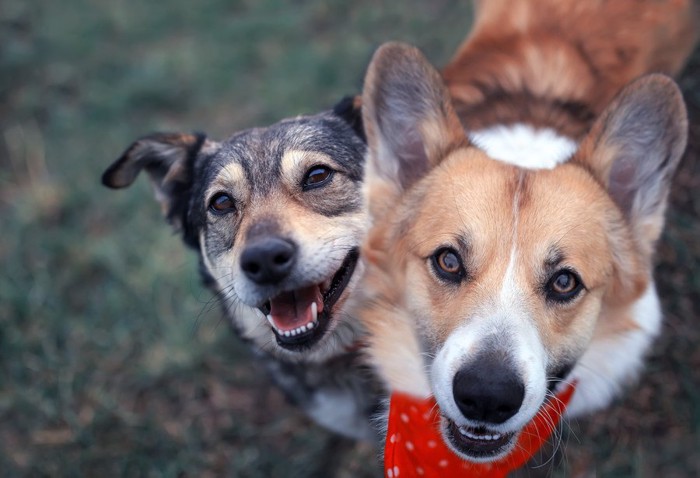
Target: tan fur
{"points": [[577, 54], [481, 209], [513, 229]]}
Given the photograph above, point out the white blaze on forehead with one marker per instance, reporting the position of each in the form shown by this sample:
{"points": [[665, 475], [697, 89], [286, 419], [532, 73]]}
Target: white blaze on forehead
{"points": [[524, 146], [505, 323]]}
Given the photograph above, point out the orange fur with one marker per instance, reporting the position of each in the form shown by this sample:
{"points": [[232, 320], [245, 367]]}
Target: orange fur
{"points": [[563, 66], [575, 54]]}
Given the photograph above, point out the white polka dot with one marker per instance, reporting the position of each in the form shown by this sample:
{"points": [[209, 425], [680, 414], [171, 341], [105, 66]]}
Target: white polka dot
{"points": [[392, 438], [404, 418], [432, 443], [390, 473], [409, 446], [420, 471], [396, 471], [413, 409], [443, 464]]}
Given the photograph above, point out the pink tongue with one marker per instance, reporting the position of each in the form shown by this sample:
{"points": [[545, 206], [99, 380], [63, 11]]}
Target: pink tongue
{"points": [[290, 310]]}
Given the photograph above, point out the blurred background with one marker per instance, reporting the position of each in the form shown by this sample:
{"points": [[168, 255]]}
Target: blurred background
{"points": [[114, 360]]}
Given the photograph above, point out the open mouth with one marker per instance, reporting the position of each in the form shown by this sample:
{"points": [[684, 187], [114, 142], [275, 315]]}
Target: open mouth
{"points": [[299, 318], [478, 443]]}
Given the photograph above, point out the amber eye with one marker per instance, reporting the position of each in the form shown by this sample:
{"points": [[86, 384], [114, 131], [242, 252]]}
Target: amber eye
{"points": [[222, 203], [447, 265], [563, 286], [316, 177]]}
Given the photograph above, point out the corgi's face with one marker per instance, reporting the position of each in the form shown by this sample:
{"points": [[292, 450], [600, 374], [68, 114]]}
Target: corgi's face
{"points": [[507, 270], [502, 276]]}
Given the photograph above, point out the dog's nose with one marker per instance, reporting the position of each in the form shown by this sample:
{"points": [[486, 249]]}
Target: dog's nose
{"points": [[488, 390], [268, 260]]}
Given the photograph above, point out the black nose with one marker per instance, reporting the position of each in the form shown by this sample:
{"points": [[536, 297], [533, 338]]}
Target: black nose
{"points": [[488, 390], [268, 260]]}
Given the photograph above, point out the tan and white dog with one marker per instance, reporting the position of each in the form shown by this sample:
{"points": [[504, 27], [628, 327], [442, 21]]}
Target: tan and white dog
{"points": [[516, 201]]}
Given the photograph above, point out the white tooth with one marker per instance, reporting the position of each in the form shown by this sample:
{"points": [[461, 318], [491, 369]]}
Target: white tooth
{"points": [[302, 329], [314, 311], [287, 334], [312, 325], [269, 319]]}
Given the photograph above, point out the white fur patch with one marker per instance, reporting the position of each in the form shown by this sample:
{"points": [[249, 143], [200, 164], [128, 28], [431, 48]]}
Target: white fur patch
{"points": [[524, 146], [612, 362], [509, 326]]}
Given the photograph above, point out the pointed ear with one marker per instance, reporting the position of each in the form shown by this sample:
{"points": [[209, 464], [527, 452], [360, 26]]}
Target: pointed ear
{"points": [[634, 149], [350, 110], [168, 159], [408, 117]]}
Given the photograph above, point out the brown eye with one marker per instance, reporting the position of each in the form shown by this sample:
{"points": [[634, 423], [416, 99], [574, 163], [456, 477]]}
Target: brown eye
{"points": [[222, 203], [564, 286], [448, 265], [316, 177]]}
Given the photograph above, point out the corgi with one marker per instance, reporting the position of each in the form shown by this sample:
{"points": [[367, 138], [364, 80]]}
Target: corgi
{"points": [[516, 200], [277, 217]]}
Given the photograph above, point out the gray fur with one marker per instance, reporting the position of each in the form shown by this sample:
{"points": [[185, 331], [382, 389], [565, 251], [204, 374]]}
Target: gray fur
{"points": [[329, 381]]}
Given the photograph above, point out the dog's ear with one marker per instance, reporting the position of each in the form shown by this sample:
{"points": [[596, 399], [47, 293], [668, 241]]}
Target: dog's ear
{"points": [[408, 118], [634, 149], [168, 159], [350, 110]]}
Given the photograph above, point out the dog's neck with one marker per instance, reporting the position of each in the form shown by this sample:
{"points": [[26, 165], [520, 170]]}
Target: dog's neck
{"points": [[414, 445]]}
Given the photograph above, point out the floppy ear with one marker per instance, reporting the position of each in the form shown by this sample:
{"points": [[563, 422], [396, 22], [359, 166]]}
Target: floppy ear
{"points": [[408, 118], [634, 149], [168, 159]]}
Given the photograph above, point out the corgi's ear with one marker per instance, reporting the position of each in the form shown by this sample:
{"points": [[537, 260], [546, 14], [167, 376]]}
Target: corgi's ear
{"points": [[408, 117], [168, 158], [634, 149]]}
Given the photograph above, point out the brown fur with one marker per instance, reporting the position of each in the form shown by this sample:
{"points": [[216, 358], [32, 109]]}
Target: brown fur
{"points": [[563, 61], [513, 229]]}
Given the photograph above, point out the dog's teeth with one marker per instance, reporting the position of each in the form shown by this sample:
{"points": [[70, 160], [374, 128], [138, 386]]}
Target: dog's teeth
{"points": [[311, 325], [302, 329], [288, 333], [269, 319], [467, 433], [314, 311]]}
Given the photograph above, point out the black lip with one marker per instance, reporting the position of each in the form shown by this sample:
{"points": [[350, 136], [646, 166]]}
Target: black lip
{"points": [[302, 342], [477, 449]]}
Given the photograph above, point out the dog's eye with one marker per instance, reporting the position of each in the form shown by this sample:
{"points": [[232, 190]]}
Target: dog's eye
{"points": [[222, 203], [316, 177], [448, 265], [563, 286]]}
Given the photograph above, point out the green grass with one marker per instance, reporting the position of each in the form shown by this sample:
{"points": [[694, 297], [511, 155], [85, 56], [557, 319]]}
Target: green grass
{"points": [[114, 361]]}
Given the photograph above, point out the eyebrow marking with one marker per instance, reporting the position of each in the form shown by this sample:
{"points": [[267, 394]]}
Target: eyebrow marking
{"points": [[296, 158], [231, 174]]}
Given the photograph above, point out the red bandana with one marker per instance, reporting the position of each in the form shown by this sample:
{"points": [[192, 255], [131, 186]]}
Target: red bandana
{"points": [[414, 445]]}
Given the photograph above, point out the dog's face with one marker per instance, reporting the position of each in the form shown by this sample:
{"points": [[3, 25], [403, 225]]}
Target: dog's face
{"points": [[277, 215], [502, 275]]}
